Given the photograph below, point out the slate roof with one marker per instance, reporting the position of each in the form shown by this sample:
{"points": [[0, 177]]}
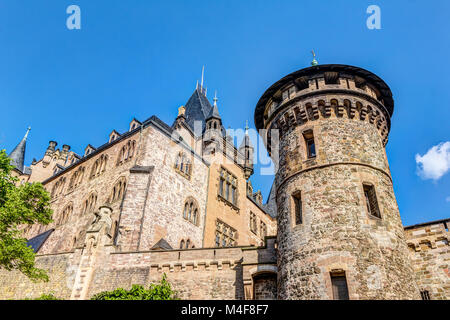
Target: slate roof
{"points": [[197, 108], [162, 245], [17, 156], [37, 242], [214, 113]]}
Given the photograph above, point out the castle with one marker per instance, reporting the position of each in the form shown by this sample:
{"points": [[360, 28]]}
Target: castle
{"points": [[177, 199]]}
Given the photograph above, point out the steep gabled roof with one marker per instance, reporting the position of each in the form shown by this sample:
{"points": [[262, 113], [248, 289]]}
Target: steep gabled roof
{"points": [[198, 108]]}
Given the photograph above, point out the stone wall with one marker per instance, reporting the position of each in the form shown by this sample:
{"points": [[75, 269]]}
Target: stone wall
{"points": [[430, 255], [62, 269], [194, 273]]}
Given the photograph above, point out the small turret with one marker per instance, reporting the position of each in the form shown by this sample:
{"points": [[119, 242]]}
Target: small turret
{"points": [[247, 149], [213, 120]]}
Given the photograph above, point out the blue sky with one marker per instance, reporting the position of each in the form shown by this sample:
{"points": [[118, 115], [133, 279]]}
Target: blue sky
{"points": [[137, 58]]}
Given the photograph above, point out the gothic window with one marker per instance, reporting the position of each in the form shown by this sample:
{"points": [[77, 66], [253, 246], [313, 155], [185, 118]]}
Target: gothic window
{"points": [[225, 235], [425, 294], [126, 152], [90, 203], [371, 200], [64, 215], [118, 190], [339, 286], [183, 165], [263, 230], [310, 145], [99, 166], [191, 211], [297, 208], [186, 244], [228, 186], [76, 178], [58, 187], [253, 222]]}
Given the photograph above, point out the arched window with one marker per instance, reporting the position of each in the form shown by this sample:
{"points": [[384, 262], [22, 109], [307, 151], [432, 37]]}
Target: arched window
{"points": [[191, 211], [126, 152], [64, 215], [99, 166], [58, 187], [118, 190], [76, 178], [90, 203], [182, 244]]}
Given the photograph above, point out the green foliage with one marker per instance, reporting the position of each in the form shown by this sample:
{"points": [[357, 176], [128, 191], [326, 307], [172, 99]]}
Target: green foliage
{"points": [[26, 204], [159, 291], [49, 296]]}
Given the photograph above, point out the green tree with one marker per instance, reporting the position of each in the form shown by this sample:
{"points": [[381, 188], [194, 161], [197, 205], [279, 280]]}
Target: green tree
{"points": [[157, 291], [26, 204]]}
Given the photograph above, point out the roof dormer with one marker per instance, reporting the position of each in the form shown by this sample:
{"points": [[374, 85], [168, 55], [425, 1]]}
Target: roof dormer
{"points": [[113, 136], [134, 124], [88, 150]]}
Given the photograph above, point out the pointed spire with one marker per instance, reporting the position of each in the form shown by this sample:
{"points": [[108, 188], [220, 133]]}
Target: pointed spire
{"points": [[18, 154], [246, 127]]}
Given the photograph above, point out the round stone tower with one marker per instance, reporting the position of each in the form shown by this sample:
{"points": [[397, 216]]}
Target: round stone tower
{"points": [[339, 230]]}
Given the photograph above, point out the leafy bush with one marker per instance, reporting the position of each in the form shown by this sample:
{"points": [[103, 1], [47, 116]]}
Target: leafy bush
{"points": [[44, 296], [159, 291]]}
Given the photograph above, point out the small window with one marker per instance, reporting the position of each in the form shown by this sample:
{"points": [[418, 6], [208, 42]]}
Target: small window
{"points": [[298, 214], [371, 201], [425, 294], [339, 285], [310, 145]]}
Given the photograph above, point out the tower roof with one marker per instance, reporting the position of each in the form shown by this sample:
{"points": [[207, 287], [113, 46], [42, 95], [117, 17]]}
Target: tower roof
{"points": [[18, 154], [214, 113], [197, 108], [382, 87]]}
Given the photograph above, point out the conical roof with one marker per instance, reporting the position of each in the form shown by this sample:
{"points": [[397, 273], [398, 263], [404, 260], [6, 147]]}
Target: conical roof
{"points": [[17, 156]]}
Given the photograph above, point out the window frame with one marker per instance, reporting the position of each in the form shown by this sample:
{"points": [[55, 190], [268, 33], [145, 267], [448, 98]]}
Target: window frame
{"points": [[369, 187]]}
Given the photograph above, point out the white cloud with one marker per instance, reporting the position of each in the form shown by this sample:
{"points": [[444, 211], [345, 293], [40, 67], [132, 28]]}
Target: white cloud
{"points": [[435, 163]]}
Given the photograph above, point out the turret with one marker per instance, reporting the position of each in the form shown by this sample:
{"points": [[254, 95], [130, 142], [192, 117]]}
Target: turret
{"points": [[247, 149], [339, 230]]}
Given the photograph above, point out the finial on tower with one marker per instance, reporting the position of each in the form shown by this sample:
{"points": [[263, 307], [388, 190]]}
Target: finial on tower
{"points": [[215, 98], [203, 72], [314, 62], [246, 126]]}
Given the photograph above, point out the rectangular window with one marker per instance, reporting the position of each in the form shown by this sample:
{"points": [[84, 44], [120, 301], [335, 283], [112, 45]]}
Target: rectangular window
{"points": [[263, 231], [221, 187], [298, 214], [310, 145], [339, 285], [228, 186], [225, 235], [371, 200], [425, 294]]}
